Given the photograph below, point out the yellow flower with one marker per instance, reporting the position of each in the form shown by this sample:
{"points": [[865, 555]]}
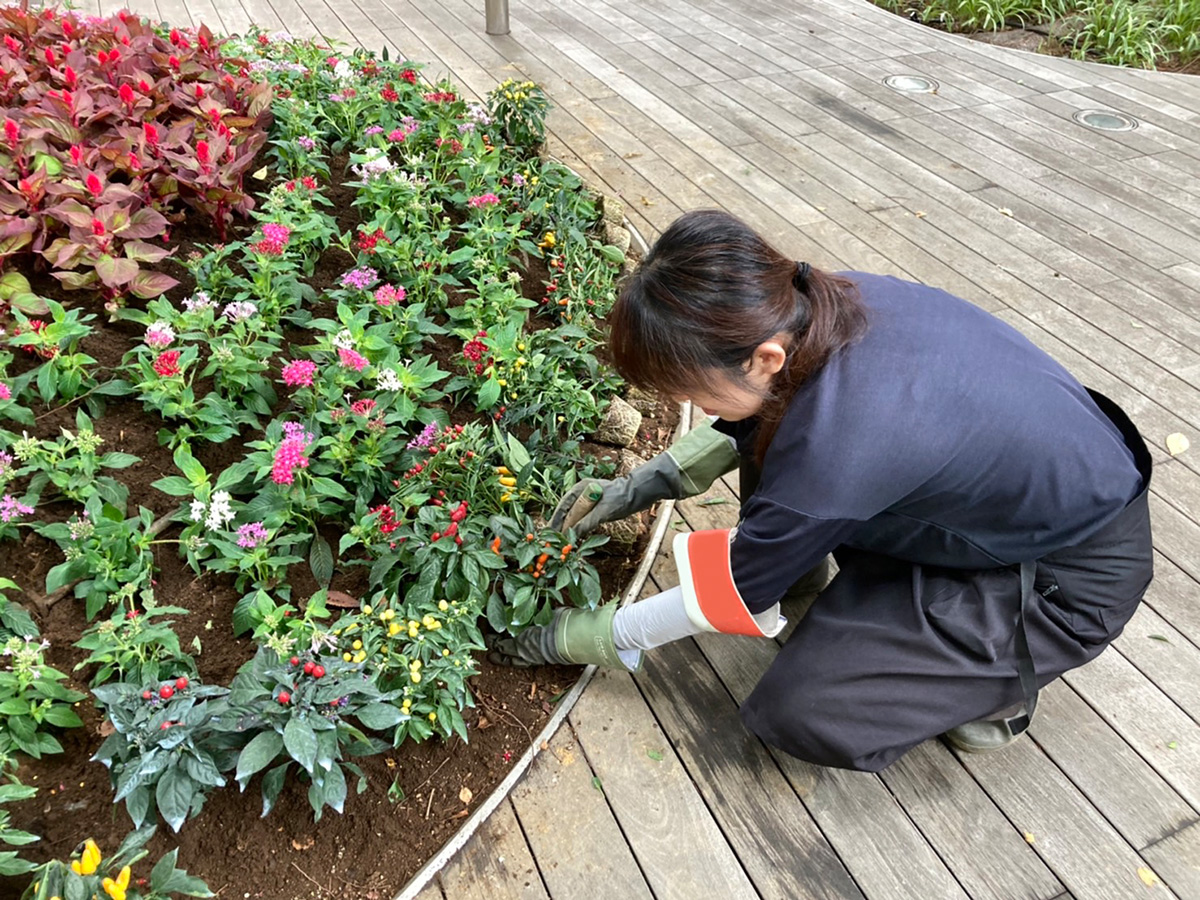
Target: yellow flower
{"points": [[88, 861]]}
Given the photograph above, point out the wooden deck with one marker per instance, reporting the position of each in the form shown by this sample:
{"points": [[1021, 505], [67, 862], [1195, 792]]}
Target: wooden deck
{"points": [[1089, 243]]}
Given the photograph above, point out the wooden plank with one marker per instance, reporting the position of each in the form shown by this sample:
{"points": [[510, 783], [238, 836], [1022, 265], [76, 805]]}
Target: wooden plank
{"points": [[1176, 859], [656, 804], [1175, 596], [1163, 734], [762, 818], [571, 830], [1159, 651], [986, 854], [495, 864], [792, 51], [431, 891], [1070, 836], [1121, 785], [884, 852]]}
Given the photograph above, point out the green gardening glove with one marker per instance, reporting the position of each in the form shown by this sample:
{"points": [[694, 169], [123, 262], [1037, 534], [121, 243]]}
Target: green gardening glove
{"points": [[686, 468], [573, 637]]}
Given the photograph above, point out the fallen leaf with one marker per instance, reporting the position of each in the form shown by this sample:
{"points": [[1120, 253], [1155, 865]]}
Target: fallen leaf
{"points": [[655, 755], [596, 783], [1004, 211], [1029, 837], [306, 844], [1159, 637], [106, 728], [465, 794], [533, 690], [647, 201], [920, 214], [341, 600], [1136, 324], [544, 745], [630, 155], [1177, 443], [260, 175], [1148, 877], [1172, 745], [713, 501]]}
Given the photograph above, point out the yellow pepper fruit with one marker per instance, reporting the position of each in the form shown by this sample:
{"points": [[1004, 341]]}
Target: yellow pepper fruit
{"points": [[443, 605], [433, 717], [508, 481], [116, 889], [88, 861]]}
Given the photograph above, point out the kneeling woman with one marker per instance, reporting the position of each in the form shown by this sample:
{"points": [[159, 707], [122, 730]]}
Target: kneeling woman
{"points": [[987, 513]]}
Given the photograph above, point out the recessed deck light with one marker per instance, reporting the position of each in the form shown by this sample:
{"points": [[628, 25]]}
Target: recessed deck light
{"points": [[911, 84], [1105, 120]]}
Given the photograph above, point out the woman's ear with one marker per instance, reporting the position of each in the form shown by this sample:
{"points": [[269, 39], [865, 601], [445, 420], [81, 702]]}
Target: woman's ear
{"points": [[769, 358]]}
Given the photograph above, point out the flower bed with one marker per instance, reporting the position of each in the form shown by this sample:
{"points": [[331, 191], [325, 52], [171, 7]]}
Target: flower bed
{"points": [[302, 349]]}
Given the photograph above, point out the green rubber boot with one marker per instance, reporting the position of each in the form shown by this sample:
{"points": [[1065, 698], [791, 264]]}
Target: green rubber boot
{"points": [[573, 637], [985, 735]]}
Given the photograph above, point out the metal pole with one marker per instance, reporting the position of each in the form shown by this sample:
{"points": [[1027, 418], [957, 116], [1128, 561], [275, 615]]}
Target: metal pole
{"points": [[497, 16]]}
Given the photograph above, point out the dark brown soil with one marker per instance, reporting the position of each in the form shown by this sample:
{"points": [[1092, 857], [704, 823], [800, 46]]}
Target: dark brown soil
{"points": [[377, 845]]}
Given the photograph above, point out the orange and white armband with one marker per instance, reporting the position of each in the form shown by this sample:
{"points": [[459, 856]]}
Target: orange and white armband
{"points": [[710, 596]]}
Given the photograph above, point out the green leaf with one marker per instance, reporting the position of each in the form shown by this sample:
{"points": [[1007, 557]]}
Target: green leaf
{"points": [[301, 743], [63, 717], [320, 560], [272, 784], [161, 873], [596, 783], [655, 755], [257, 755], [192, 468], [379, 716], [489, 393], [334, 788], [174, 486], [137, 804], [116, 460], [173, 794], [11, 865], [611, 253]]}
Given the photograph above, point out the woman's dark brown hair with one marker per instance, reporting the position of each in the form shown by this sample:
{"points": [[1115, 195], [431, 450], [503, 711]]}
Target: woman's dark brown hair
{"points": [[708, 293]]}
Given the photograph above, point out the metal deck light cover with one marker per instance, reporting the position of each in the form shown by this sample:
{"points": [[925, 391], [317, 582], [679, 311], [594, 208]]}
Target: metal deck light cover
{"points": [[911, 84], [1105, 120]]}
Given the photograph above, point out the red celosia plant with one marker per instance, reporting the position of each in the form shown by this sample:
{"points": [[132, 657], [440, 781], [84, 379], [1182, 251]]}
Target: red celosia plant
{"points": [[107, 127]]}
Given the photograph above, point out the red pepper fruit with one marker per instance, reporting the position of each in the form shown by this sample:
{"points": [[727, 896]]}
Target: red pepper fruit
{"points": [[181, 683], [294, 661], [166, 692], [146, 695], [309, 666], [318, 671], [285, 698]]}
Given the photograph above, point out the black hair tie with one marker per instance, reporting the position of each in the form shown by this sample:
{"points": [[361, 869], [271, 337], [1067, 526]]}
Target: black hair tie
{"points": [[800, 278]]}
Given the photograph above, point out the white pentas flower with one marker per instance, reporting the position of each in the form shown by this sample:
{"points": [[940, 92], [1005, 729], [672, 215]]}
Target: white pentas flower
{"points": [[198, 507], [343, 71], [220, 511], [198, 301], [344, 340], [240, 310], [388, 380]]}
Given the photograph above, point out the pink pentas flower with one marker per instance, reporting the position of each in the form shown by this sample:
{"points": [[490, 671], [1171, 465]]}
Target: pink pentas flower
{"points": [[352, 359], [362, 407], [290, 455], [11, 509], [251, 535], [160, 335], [388, 295], [483, 200], [360, 278], [273, 231], [5, 391], [299, 373]]}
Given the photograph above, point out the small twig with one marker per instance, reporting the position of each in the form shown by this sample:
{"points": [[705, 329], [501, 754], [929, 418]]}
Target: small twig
{"points": [[309, 877], [430, 778], [429, 805], [497, 712]]}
